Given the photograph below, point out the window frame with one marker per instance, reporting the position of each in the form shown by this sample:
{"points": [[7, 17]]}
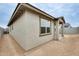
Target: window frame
{"points": [[44, 34], [12, 26]]}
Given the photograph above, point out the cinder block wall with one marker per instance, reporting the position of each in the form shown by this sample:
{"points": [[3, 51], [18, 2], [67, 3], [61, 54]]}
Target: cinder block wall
{"points": [[72, 30], [1, 32]]}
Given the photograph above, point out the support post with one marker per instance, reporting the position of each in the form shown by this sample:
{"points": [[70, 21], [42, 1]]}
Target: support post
{"points": [[62, 30], [56, 30]]}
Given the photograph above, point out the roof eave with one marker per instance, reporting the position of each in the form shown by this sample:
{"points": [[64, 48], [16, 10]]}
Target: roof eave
{"points": [[29, 5], [13, 13]]}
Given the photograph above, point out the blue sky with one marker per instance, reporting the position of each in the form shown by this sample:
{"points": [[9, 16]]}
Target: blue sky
{"points": [[69, 11]]}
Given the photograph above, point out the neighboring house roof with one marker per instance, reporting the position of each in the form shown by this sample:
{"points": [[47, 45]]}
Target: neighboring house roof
{"points": [[20, 9]]}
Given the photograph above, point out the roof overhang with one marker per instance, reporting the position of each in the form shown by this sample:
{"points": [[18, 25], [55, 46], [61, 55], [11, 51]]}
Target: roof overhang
{"points": [[60, 19], [21, 7]]}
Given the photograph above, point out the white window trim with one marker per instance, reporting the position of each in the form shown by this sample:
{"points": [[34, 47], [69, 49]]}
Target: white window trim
{"points": [[43, 34]]}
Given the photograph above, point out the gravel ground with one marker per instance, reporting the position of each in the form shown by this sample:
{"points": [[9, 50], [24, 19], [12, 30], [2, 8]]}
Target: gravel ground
{"points": [[69, 46]]}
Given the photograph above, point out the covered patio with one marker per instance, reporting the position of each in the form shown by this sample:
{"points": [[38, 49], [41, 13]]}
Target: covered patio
{"points": [[59, 26]]}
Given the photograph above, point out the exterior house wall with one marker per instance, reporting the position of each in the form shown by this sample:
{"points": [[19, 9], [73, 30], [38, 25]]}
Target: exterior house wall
{"points": [[26, 31], [1, 32]]}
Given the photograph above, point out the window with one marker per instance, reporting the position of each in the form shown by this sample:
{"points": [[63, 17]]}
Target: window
{"points": [[48, 29], [9, 29], [12, 27], [45, 26]]}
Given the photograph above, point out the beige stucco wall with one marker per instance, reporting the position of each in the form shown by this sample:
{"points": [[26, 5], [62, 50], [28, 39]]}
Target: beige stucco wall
{"points": [[26, 31]]}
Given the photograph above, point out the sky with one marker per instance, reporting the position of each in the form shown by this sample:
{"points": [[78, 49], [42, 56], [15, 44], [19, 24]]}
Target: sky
{"points": [[70, 11]]}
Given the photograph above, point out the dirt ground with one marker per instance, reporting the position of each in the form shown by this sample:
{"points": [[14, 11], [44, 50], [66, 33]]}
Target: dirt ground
{"points": [[68, 46], [9, 47]]}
